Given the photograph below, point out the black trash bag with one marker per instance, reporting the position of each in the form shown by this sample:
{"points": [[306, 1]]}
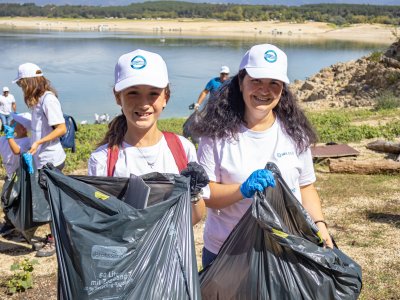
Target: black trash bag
{"points": [[275, 252], [106, 249], [186, 127], [24, 201]]}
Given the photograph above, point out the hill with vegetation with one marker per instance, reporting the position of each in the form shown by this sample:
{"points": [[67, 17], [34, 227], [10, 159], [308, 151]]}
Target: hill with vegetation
{"points": [[339, 14]]}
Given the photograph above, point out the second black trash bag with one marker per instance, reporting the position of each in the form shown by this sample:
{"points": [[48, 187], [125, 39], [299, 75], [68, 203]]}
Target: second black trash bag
{"points": [[275, 252], [106, 249], [24, 201]]}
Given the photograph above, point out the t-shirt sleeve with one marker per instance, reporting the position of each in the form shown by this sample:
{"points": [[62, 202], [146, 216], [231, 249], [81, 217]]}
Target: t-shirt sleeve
{"points": [[209, 85], [208, 158], [52, 110], [307, 175], [24, 144], [97, 164], [189, 149]]}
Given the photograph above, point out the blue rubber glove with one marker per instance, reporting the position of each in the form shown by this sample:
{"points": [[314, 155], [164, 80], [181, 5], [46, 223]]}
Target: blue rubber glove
{"points": [[28, 159], [9, 131], [257, 181]]}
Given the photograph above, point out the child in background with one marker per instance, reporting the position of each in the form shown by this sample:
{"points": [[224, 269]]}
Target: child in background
{"points": [[15, 142], [142, 90], [48, 125]]}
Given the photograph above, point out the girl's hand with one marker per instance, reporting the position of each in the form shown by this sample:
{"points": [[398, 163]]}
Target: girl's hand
{"points": [[34, 148], [325, 234], [257, 181]]}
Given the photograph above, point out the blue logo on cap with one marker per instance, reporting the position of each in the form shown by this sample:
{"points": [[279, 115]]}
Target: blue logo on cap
{"points": [[270, 56], [138, 62]]}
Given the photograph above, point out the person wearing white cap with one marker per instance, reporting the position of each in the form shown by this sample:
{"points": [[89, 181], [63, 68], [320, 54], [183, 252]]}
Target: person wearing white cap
{"points": [[7, 105], [47, 125], [254, 120], [134, 140], [212, 86], [15, 142]]}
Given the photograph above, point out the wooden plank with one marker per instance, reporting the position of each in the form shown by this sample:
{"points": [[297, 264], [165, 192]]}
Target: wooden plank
{"points": [[333, 151]]}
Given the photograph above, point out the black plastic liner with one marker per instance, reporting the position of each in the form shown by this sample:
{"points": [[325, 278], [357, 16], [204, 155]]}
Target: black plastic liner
{"points": [[107, 249], [275, 252]]}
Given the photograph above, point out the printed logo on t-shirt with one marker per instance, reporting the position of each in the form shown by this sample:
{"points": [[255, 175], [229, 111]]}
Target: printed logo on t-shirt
{"points": [[138, 62], [282, 154], [270, 56]]}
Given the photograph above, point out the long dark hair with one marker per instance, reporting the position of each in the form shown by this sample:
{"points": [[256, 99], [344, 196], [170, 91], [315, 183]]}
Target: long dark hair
{"points": [[118, 126], [224, 113]]}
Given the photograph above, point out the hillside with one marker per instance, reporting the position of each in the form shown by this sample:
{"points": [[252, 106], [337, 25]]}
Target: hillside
{"points": [[360, 83]]}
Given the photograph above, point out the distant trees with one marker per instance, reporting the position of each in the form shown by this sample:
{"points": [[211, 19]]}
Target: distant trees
{"points": [[339, 14]]}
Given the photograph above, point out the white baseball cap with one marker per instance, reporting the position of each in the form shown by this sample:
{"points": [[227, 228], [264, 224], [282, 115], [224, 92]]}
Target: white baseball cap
{"points": [[225, 70], [25, 119], [28, 70], [265, 61], [6, 89], [140, 67]]}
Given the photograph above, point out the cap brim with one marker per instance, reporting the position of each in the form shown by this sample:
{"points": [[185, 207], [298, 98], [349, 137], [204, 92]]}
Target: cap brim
{"points": [[24, 119], [128, 82], [265, 73]]}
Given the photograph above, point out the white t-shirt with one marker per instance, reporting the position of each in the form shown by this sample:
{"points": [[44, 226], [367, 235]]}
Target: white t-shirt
{"points": [[231, 161], [139, 161], [9, 159], [46, 114], [6, 104]]}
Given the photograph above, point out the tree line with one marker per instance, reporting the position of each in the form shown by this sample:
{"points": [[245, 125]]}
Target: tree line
{"points": [[339, 14]]}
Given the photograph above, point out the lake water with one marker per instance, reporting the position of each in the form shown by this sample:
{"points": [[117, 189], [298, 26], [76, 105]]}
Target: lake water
{"points": [[80, 65]]}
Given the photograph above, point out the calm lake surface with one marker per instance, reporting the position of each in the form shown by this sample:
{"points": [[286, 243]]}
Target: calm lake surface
{"points": [[80, 65]]}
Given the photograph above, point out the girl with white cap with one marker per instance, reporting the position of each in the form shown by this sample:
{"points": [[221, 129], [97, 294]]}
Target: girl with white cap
{"points": [[14, 142], [133, 143], [48, 125], [253, 121]]}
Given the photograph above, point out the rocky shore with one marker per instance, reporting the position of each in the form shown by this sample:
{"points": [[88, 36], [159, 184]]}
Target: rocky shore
{"points": [[352, 84]]}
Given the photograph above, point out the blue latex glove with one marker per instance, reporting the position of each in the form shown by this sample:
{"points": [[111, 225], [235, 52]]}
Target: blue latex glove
{"points": [[9, 131], [28, 159], [257, 181]]}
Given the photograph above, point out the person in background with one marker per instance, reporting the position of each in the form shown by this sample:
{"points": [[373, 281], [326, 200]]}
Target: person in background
{"points": [[48, 125], [212, 86], [142, 90], [254, 120], [15, 142], [7, 105]]}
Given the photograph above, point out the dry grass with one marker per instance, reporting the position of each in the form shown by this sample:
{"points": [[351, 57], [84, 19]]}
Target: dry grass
{"points": [[364, 216]]}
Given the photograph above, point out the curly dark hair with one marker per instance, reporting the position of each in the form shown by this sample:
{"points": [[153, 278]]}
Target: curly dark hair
{"points": [[224, 113]]}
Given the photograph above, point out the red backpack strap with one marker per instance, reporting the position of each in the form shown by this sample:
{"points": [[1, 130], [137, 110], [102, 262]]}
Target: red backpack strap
{"points": [[176, 147], [112, 157]]}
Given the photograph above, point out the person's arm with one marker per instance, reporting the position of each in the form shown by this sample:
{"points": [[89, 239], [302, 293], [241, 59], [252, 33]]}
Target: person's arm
{"points": [[58, 131], [223, 195], [14, 146], [198, 211], [201, 98], [312, 204], [14, 107]]}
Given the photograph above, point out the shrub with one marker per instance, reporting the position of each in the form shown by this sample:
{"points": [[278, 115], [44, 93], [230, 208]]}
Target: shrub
{"points": [[21, 279], [387, 101]]}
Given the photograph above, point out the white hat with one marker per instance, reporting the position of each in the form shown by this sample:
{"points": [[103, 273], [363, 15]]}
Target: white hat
{"points": [[225, 70], [6, 89], [140, 67], [265, 61], [28, 70], [25, 119]]}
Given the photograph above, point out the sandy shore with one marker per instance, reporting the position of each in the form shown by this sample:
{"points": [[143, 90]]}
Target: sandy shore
{"points": [[374, 33]]}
